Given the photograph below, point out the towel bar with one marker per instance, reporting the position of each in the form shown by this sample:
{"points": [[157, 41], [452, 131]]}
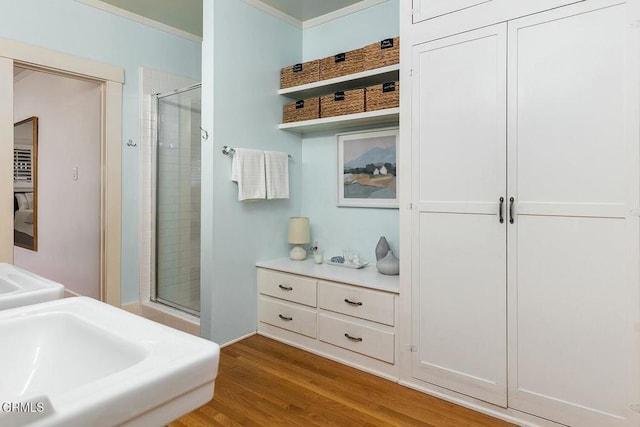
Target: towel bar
{"points": [[226, 150]]}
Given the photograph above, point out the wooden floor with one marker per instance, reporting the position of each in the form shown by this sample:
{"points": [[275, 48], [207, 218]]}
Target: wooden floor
{"points": [[262, 382]]}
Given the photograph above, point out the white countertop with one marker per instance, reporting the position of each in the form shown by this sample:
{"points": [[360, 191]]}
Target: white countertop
{"points": [[367, 276]]}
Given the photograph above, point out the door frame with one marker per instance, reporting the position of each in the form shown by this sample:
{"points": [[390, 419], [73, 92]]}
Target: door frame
{"points": [[111, 79]]}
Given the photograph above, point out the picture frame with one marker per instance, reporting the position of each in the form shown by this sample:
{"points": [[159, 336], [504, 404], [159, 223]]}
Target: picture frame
{"points": [[367, 168]]}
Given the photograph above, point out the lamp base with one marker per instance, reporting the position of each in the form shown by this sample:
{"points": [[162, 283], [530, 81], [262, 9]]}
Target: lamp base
{"points": [[298, 253]]}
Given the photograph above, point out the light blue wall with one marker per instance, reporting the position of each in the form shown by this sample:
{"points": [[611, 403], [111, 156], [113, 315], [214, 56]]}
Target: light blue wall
{"points": [[339, 228], [242, 57], [243, 51], [72, 27], [352, 31]]}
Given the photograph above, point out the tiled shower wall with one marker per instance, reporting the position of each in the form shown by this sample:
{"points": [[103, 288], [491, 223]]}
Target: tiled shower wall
{"points": [[178, 200], [154, 81]]}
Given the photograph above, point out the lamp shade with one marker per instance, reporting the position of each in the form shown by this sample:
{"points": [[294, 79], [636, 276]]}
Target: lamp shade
{"points": [[299, 230]]}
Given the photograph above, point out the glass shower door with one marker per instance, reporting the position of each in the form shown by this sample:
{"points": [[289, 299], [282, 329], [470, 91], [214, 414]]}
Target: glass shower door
{"points": [[177, 200]]}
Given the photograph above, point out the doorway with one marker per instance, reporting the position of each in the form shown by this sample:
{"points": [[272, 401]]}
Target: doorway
{"points": [[110, 80], [67, 168]]}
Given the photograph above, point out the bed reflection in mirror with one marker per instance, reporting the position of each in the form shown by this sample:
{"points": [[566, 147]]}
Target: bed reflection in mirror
{"points": [[25, 184]]}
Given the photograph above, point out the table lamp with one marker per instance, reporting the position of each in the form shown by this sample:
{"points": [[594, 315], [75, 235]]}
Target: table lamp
{"points": [[298, 235]]}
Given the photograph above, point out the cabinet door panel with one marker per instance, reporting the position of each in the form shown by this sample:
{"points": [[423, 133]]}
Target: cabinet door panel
{"points": [[461, 295], [569, 120], [573, 249], [427, 9], [460, 106], [434, 19], [571, 316], [459, 280]]}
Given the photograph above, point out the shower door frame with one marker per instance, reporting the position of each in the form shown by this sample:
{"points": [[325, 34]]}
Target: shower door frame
{"points": [[153, 291]]}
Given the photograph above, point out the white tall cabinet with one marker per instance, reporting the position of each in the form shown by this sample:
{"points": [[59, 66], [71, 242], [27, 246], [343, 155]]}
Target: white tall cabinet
{"points": [[521, 224]]}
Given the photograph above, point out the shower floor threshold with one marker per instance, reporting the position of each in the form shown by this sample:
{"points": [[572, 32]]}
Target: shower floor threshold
{"points": [[178, 307]]}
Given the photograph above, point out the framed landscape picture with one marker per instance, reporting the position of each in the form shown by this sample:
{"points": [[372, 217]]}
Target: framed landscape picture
{"points": [[367, 169]]}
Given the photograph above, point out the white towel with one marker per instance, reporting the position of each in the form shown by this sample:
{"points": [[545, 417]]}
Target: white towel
{"points": [[277, 170], [248, 171]]}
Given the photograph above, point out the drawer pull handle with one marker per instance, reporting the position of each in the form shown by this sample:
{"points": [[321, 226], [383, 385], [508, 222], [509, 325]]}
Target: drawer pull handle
{"points": [[288, 319], [352, 302], [285, 288], [358, 339]]}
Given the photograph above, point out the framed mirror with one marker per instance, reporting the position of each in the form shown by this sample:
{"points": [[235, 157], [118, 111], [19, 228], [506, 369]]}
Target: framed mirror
{"points": [[25, 184]]}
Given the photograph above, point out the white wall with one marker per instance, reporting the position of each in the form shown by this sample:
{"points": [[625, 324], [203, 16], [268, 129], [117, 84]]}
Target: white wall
{"points": [[81, 30], [69, 117]]}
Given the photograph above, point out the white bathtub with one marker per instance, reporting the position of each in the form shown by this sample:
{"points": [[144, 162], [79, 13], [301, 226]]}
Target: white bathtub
{"points": [[81, 362], [20, 287]]}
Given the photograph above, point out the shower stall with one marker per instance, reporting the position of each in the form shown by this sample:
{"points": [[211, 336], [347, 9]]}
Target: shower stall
{"points": [[176, 178]]}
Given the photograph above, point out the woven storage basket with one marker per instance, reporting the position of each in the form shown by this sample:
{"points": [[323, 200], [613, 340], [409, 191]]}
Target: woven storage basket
{"points": [[381, 96], [299, 74], [343, 102], [382, 53], [342, 64], [307, 109]]}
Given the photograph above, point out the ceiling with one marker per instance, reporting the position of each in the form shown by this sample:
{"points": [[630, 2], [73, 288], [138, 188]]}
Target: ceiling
{"points": [[186, 15], [303, 10]]}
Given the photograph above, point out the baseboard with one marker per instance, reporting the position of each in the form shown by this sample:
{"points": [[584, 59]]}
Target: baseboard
{"points": [[237, 339], [505, 414]]}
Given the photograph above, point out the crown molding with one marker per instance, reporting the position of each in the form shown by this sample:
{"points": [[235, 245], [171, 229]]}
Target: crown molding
{"points": [[141, 19], [275, 12], [340, 13], [309, 23], [357, 7]]}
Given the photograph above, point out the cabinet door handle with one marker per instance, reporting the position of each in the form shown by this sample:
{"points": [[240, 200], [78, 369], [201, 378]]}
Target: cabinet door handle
{"points": [[286, 318], [285, 288], [511, 200], [500, 210], [352, 302], [357, 339]]}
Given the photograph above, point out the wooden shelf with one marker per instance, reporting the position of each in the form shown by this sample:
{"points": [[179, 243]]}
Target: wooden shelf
{"points": [[390, 115], [351, 81]]}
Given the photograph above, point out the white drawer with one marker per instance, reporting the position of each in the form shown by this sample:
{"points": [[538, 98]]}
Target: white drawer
{"points": [[370, 341], [358, 302], [295, 318], [287, 286]]}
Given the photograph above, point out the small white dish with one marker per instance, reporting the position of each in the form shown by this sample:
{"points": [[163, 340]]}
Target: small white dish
{"points": [[346, 264]]}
